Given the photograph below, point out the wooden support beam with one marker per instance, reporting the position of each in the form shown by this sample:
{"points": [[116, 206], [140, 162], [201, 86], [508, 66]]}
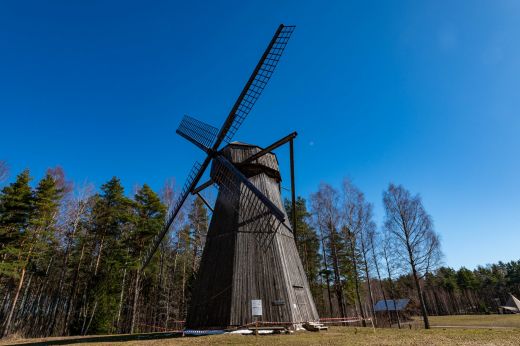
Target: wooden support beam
{"points": [[270, 148], [293, 188], [202, 187], [205, 202]]}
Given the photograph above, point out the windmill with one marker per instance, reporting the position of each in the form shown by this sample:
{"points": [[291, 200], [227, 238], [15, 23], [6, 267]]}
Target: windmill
{"points": [[250, 252]]}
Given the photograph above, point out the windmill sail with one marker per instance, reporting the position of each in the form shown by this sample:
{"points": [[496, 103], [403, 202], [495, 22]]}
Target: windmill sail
{"points": [[256, 84], [199, 133], [156, 241]]}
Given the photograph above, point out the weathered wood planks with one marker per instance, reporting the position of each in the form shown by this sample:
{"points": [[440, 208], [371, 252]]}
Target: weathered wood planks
{"points": [[235, 268]]}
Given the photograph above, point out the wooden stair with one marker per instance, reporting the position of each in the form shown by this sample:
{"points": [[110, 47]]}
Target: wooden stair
{"points": [[314, 326]]}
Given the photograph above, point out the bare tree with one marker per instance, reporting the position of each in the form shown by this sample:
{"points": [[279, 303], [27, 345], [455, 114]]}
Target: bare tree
{"points": [[392, 264], [367, 229], [357, 215], [4, 170], [412, 228], [66, 186], [374, 240], [76, 213], [325, 206]]}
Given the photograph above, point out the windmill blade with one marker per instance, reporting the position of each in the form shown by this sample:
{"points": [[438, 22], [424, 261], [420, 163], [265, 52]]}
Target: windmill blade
{"points": [[255, 85], [257, 213], [195, 173], [199, 133]]}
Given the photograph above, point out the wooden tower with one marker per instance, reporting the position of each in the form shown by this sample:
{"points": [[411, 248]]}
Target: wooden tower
{"points": [[240, 264]]}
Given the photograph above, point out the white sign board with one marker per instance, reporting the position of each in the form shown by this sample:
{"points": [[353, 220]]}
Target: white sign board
{"points": [[256, 307]]}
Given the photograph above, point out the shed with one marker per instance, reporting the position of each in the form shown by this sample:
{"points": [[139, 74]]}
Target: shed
{"points": [[393, 305], [392, 311]]}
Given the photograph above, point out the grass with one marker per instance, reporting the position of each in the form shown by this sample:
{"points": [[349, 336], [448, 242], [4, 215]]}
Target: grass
{"points": [[461, 334], [509, 321]]}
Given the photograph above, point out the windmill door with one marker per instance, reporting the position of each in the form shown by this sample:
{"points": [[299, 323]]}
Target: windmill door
{"points": [[302, 303]]}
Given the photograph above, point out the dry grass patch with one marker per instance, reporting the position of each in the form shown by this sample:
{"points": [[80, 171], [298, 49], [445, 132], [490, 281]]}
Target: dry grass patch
{"points": [[349, 336], [360, 336], [458, 332], [510, 321]]}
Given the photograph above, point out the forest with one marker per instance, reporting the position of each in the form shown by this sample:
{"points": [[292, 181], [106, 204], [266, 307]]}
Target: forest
{"points": [[69, 257]]}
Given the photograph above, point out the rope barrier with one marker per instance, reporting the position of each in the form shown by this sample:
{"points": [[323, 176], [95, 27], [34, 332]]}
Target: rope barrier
{"points": [[164, 329], [326, 320]]}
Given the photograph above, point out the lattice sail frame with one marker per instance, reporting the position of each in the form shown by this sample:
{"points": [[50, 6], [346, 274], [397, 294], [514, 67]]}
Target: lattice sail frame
{"points": [[259, 79], [257, 214], [176, 207], [199, 133]]}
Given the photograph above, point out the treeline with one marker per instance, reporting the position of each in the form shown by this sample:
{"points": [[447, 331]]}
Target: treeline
{"points": [[69, 257], [351, 264]]}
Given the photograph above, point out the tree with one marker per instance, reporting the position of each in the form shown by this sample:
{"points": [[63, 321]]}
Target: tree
{"points": [[326, 212], [412, 228], [78, 212], [307, 242], [375, 242], [112, 221], [199, 222], [357, 221], [392, 265], [150, 220], [4, 170], [16, 206], [38, 233]]}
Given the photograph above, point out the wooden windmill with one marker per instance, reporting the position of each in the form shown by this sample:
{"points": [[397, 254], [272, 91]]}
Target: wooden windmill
{"points": [[250, 257]]}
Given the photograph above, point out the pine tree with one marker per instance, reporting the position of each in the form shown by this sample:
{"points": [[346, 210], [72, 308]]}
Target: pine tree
{"points": [[38, 234], [16, 205], [150, 220], [113, 220], [307, 242]]}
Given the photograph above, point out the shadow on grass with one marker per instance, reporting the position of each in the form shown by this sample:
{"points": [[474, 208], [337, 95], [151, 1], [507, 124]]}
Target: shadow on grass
{"points": [[108, 338]]}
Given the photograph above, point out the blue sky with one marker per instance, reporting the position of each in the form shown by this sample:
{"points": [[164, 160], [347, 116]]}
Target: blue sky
{"points": [[419, 93]]}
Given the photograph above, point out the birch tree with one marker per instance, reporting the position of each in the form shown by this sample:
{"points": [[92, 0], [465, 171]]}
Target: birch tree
{"points": [[325, 205], [412, 228], [354, 218], [4, 170]]}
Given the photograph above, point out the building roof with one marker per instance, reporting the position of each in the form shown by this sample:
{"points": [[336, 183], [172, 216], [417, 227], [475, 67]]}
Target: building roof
{"points": [[393, 305]]}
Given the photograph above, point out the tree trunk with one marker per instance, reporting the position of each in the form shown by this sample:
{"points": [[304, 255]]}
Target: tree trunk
{"points": [[91, 318], [98, 259], [327, 271], [392, 290], [370, 295], [121, 296], [15, 300], [356, 280], [376, 264], [136, 301], [72, 293], [337, 275], [421, 298]]}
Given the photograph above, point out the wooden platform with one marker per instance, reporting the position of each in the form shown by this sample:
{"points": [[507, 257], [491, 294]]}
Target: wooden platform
{"points": [[314, 326]]}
